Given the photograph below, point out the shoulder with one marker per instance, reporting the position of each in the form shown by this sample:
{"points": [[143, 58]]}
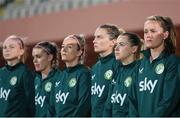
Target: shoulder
{"points": [[26, 71], [144, 61], [58, 71], [84, 69], [24, 67], [95, 65], [57, 75], [172, 60], [37, 79], [2, 68], [138, 62], [83, 72]]}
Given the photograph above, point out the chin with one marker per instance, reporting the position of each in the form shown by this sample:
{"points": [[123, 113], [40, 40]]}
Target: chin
{"points": [[37, 69], [64, 59], [116, 57], [149, 47], [8, 58], [98, 51]]}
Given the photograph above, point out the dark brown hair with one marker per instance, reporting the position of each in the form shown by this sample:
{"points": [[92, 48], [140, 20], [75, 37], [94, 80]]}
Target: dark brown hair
{"points": [[50, 48], [134, 40], [112, 30]]}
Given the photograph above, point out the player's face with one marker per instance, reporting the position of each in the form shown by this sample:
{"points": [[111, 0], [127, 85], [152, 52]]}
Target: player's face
{"points": [[153, 34], [123, 48], [12, 50], [41, 59], [70, 50], [102, 42]]}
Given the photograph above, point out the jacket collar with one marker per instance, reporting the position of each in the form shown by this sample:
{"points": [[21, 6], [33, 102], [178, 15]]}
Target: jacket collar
{"points": [[106, 58]]}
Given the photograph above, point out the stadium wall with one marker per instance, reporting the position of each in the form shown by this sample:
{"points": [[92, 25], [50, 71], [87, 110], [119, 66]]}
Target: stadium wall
{"points": [[128, 14]]}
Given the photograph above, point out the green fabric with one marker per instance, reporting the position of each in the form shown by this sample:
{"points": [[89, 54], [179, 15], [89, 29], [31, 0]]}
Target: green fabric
{"points": [[16, 91], [155, 91], [178, 105], [72, 92], [43, 88], [101, 76], [117, 104]]}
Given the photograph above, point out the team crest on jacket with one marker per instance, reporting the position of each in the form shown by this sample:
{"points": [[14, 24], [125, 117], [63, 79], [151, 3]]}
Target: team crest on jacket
{"points": [[72, 82], [48, 86], [13, 80], [108, 74], [159, 68], [128, 81]]}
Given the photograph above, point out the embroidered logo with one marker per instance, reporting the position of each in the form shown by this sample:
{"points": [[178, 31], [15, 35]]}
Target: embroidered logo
{"points": [[36, 86], [108, 75], [128, 81], [159, 68], [93, 76], [48, 86], [141, 70], [57, 83], [13, 80], [113, 82], [72, 82]]}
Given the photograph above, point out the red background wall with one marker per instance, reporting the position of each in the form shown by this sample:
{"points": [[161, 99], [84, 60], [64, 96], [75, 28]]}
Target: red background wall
{"points": [[128, 14]]}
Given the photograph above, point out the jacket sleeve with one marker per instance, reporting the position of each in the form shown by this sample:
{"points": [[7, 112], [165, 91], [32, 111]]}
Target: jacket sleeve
{"points": [[108, 105], [84, 95], [28, 81], [170, 86], [51, 104], [133, 101], [51, 112], [132, 95]]}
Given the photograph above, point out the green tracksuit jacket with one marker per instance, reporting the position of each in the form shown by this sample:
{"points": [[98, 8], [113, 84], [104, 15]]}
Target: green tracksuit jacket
{"points": [[43, 88], [72, 94], [16, 91], [179, 84], [155, 91], [178, 105], [101, 76], [117, 104]]}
